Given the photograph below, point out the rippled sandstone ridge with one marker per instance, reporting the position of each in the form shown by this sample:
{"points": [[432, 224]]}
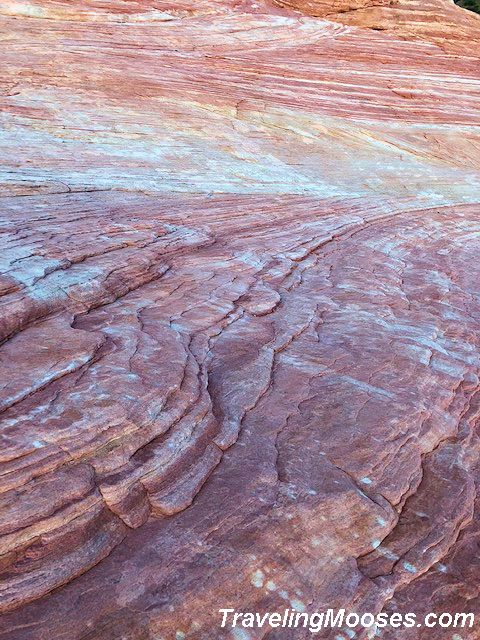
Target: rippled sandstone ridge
{"points": [[239, 314]]}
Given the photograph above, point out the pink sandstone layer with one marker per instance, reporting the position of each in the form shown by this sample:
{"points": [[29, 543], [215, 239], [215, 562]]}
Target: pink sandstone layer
{"points": [[239, 314]]}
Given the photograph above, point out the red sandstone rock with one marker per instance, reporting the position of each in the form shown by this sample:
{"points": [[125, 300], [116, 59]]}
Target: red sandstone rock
{"points": [[239, 314]]}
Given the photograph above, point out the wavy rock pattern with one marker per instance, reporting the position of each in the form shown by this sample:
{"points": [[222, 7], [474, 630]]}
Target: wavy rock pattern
{"points": [[239, 313]]}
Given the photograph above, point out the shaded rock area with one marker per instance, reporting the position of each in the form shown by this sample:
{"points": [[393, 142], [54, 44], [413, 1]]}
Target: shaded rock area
{"points": [[239, 315]]}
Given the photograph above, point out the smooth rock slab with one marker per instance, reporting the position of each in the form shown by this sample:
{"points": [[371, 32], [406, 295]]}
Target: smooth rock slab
{"points": [[239, 314]]}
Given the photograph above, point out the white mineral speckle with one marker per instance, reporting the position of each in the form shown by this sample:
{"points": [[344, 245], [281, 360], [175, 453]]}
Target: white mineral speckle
{"points": [[297, 605], [257, 578]]}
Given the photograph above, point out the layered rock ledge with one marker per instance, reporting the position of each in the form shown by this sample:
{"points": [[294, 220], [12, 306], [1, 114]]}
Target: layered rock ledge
{"points": [[239, 314]]}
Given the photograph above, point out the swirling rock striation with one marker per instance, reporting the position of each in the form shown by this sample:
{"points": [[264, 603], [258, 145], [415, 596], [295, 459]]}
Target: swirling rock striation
{"points": [[239, 313]]}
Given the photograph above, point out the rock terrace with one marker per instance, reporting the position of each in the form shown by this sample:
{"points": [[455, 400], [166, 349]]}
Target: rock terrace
{"points": [[239, 314]]}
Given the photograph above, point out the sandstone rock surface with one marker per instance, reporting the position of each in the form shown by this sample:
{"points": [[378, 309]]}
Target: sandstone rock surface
{"points": [[239, 314]]}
